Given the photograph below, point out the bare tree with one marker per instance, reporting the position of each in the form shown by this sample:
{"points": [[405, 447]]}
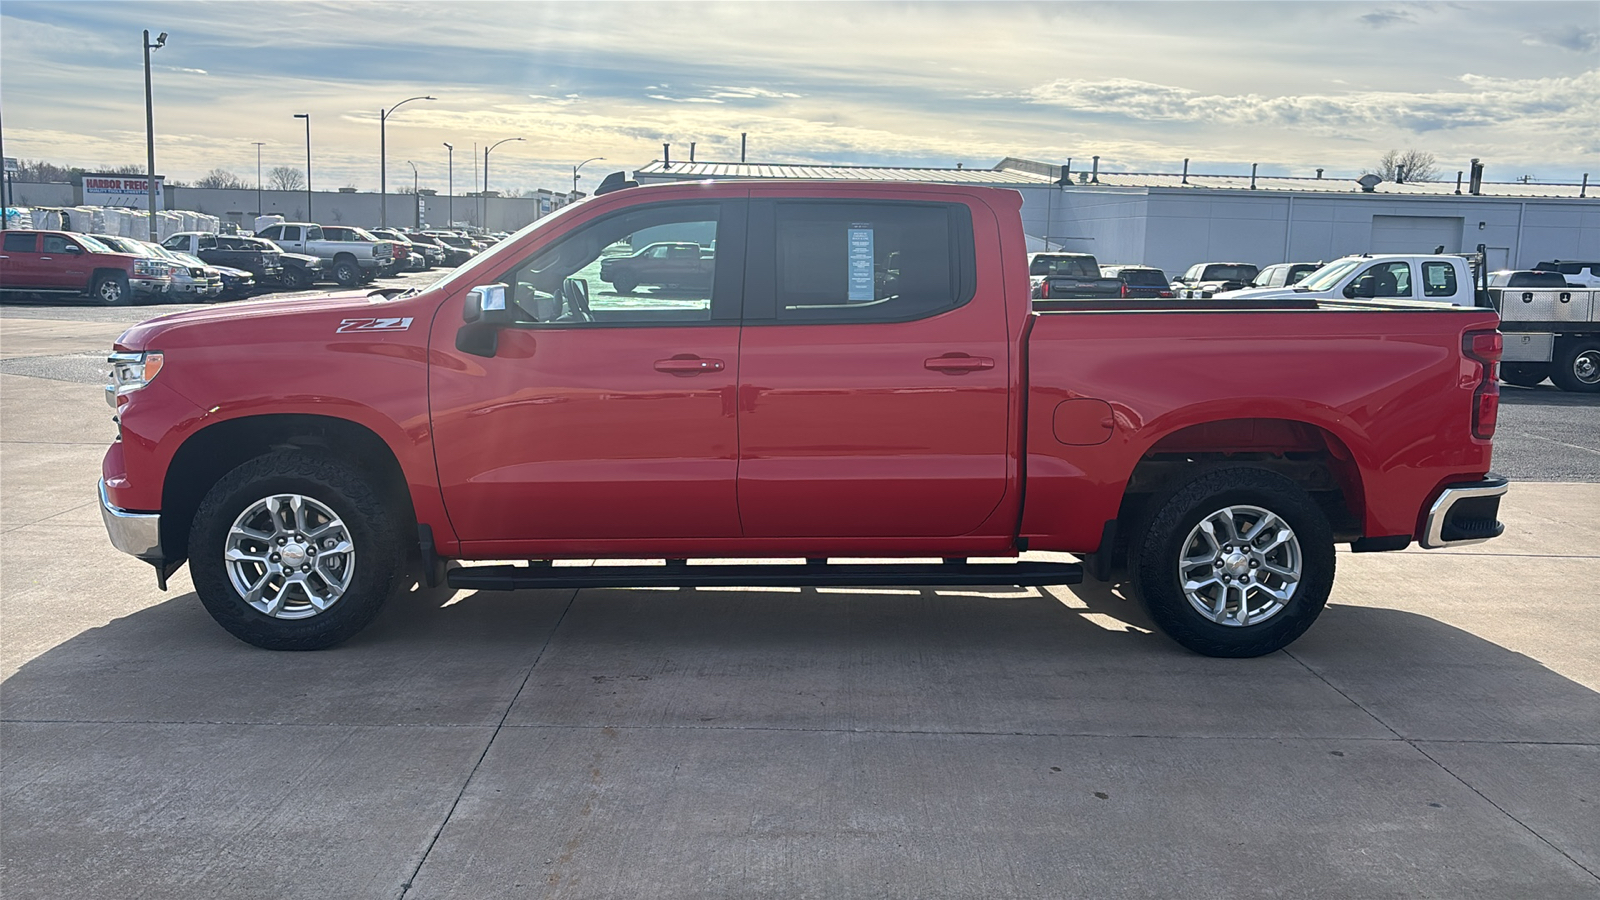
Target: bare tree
{"points": [[40, 172], [1417, 165], [286, 178], [220, 178]]}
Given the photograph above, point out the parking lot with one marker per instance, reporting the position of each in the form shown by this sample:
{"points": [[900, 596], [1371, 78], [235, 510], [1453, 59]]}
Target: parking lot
{"points": [[1436, 734]]}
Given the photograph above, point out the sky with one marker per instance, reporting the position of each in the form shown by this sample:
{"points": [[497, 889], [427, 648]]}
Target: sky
{"points": [[1290, 85]]}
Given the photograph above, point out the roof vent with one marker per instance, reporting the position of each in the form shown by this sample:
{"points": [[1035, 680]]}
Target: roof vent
{"points": [[1369, 183]]}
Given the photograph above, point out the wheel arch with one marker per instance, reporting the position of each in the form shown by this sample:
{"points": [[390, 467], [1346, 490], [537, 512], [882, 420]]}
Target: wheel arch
{"points": [[210, 453]]}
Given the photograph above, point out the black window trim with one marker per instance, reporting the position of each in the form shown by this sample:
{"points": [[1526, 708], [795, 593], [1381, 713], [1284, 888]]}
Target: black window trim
{"points": [[727, 284], [761, 261]]}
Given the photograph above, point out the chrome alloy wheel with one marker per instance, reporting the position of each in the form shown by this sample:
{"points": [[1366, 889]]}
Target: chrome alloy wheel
{"points": [[1586, 367], [290, 556], [1240, 566]]}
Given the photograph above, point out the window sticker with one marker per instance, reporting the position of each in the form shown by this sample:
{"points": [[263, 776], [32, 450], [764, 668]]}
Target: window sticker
{"points": [[860, 263]]}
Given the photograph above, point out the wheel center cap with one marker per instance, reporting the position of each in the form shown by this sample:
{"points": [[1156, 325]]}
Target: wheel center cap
{"points": [[1237, 564], [293, 554]]}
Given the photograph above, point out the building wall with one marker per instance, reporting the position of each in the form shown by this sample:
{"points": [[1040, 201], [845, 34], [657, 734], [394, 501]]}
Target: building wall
{"points": [[361, 209], [1175, 228], [24, 193]]}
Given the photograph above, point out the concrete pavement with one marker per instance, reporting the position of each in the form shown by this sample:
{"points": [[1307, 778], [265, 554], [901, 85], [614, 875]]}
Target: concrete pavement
{"points": [[1436, 734]]}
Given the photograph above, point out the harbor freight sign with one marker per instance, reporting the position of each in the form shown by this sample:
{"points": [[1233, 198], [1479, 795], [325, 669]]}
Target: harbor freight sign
{"points": [[124, 191]]}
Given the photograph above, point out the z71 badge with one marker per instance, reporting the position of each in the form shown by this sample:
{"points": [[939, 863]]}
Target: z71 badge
{"points": [[379, 324]]}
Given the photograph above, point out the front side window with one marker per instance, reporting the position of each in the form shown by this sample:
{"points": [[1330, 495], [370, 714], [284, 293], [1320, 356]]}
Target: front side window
{"points": [[55, 243], [1382, 280], [870, 262], [176, 242], [655, 264], [1438, 279], [291, 233], [314, 233]]}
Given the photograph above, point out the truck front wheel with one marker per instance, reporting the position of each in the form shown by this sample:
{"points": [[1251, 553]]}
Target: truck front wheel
{"points": [[1577, 366], [347, 273], [111, 289], [1235, 562], [293, 551]]}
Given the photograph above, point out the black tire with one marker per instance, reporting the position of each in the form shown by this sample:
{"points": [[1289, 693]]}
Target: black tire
{"points": [[1156, 549], [112, 289], [347, 273], [1577, 366], [624, 285], [372, 530], [1524, 374]]}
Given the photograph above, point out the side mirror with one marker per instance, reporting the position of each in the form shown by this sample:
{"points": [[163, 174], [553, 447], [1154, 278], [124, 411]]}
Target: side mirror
{"points": [[1363, 288], [487, 304], [484, 312], [74, 248]]}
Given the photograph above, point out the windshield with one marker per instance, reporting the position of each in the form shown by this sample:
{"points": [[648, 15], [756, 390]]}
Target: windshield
{"points": [[1076, 266], [1328, 276], [188, 259], [94, 246]]}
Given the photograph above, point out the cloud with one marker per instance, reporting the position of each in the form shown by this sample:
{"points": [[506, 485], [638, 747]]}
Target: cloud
{"points": [[683, 99], [1570, 37], [1383, 18], [1556, 102], [183, 70], [753, 93]]}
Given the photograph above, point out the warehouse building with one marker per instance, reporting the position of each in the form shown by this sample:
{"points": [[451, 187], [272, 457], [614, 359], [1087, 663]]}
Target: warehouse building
{"points": [[1175, 220]]}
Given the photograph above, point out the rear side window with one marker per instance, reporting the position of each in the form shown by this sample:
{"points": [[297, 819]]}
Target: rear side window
{"points": [[21, 242], [839, 261], [1438, 279]]}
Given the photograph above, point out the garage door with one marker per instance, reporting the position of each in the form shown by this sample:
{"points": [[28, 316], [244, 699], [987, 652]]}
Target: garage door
{"points": [[1415, 234]]}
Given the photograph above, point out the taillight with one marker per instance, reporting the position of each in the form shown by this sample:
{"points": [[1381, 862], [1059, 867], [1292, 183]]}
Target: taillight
{"points": [[1124, 291], [1165, 295], [1044, 289], [1485, 347]]}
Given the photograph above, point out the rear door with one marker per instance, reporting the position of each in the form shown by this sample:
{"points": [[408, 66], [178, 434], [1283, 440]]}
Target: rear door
{"points": [[19, 259], [873, 371]]}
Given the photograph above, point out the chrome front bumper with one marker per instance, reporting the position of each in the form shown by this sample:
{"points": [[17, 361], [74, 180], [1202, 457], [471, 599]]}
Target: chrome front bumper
{"points": [[134, 533], [1465, 513]]}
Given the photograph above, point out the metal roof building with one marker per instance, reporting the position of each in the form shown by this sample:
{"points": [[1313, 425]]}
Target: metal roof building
{"points": [[1173, 220]]}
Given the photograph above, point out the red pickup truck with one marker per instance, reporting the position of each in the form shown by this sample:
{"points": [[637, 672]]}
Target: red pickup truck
{"points": [[61, 262], [865, 376]]}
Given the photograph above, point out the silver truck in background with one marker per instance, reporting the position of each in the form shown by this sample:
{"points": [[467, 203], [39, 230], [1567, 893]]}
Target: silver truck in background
{"points": [[352, 255]]}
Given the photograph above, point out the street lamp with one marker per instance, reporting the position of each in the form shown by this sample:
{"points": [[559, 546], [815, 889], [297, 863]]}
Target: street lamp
{"points": [[485, 223], [258, 176], [450, 189], [383, 163], [150, 126], [579, 166], [416, 196], [307, 117]]}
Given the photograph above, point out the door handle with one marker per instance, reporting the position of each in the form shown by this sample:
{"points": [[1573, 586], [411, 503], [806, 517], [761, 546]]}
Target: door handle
{"points": [[687, 364], [958, 365]]}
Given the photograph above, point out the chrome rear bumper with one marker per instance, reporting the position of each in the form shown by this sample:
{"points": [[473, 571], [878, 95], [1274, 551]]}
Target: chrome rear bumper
{"points": [[1466, 513]]}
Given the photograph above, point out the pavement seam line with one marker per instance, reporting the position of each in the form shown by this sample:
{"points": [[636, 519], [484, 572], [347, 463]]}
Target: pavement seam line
{"points": [[1446, 769], [405, 887]]}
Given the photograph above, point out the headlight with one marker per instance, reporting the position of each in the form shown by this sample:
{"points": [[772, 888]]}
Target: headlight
{"points": [[131, 371]]}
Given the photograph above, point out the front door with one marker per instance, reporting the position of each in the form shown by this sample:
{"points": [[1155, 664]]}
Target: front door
{"points": [[873, 373], [605, 414]]}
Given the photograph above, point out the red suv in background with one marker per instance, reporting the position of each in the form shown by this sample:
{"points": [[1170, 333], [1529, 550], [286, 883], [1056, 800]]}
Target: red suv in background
{"points": [[62, 262]]}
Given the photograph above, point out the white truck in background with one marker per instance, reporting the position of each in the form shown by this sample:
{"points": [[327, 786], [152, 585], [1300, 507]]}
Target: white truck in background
{"points": [[1550, 332]]}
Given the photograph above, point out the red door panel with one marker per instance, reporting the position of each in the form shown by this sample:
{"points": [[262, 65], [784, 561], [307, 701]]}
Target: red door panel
{"points": [[599, 433]]}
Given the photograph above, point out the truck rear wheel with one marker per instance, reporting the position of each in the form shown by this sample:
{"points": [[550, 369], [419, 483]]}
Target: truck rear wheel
{"points": [[1234, 562], [293, 551], [1577, 366], [111, 289], [1524, 374]]}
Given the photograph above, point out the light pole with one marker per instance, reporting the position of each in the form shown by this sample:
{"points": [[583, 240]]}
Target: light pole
{"points": [[307, 117], [150, 126], [579, 166], [258, 176], [383, 163], [485, 223], [416, 197], [450, 189]]}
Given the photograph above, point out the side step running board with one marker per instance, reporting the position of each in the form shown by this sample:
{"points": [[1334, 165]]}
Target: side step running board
{"points": [[950, 574]]}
